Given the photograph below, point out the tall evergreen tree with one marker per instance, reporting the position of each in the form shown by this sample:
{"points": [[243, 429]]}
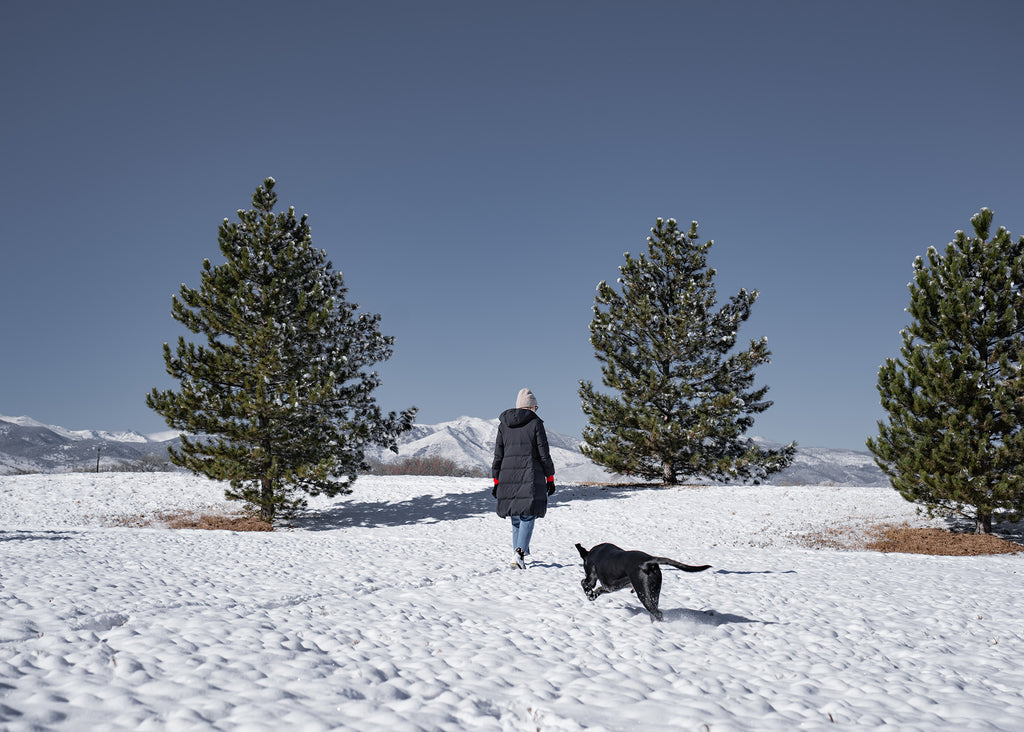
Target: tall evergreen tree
{"points": [[955, 399], [684, 401], [278, 399]]}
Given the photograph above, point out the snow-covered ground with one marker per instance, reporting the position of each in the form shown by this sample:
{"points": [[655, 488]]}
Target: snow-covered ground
{"points": [[394, 609]]}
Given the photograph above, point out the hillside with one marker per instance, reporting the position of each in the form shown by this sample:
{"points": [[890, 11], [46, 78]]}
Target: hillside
{"points": [[30, 446], [469, 443]]}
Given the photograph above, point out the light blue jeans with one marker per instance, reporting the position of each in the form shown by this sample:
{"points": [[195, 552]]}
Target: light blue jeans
{"points": [[522, 530]]}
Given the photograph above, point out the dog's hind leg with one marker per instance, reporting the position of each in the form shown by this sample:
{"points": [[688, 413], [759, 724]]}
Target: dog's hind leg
{"points": [[646, 581]]}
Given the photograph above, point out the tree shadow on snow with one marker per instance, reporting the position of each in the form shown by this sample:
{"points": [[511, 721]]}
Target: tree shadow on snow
{"points": [[347, 512], [425, 509], [1007, 530], [34, 535], [604, 491]]}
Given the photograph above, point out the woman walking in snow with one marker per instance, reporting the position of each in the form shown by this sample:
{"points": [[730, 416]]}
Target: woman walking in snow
{"points": [[523, 473]]}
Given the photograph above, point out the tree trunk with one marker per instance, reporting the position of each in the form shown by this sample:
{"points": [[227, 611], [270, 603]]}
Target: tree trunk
{"points": [[267, 505], [668, 473], [983, 523]]}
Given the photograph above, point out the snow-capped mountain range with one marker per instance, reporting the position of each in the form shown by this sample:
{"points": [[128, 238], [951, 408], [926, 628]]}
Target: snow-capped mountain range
{"points": [[30, 446]]}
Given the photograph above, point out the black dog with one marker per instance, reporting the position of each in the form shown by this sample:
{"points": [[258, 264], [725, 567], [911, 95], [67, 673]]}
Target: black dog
{"points": [[617, 568]]}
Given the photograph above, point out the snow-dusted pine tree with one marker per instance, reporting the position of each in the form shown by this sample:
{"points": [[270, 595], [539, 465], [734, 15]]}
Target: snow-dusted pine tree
{"points": [[277, 399], [684, 401], [955, 437]]}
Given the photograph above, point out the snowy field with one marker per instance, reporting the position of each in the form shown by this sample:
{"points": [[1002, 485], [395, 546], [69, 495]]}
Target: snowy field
{"points": [[394, 609]]}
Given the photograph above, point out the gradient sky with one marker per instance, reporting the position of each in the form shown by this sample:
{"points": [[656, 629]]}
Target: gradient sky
{"points": [[476, 168]]}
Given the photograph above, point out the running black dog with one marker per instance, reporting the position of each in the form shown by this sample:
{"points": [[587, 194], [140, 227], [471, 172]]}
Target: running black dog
{"points": [[617, 568]]}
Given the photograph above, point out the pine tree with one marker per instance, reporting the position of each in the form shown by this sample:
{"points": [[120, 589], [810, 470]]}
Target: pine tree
{"points": [[955, 399], [684, 401], [277, 399]]}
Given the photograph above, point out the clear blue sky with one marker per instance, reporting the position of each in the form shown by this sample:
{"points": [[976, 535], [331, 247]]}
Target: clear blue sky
{"points": [[475, 168]]}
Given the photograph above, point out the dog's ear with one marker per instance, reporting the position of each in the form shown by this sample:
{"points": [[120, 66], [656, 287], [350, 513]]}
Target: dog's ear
{"points": [[583, 552]]}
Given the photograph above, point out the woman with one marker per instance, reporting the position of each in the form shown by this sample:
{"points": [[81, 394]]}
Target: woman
{"points": [[523, 473]]}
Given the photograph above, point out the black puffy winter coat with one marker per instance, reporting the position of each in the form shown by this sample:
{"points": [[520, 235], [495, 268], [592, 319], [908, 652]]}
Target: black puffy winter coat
{"points": [[522, 462]]}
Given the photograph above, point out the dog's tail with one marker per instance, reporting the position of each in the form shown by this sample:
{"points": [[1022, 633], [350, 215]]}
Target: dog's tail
{"points": [[583, 552], [680, 565]]}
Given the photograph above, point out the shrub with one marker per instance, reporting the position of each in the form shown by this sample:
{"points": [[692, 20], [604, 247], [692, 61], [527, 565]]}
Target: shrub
{"points": [[430, 465], [145, 464]]}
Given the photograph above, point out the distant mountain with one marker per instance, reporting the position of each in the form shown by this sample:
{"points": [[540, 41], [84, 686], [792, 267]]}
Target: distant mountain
{"points": [[828, 466], [469, 443], [30, 446]]}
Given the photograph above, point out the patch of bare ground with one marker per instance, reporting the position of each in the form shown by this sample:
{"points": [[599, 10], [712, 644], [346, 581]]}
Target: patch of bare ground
{"points": [[219, 522], [190, 520], [905, 539]]}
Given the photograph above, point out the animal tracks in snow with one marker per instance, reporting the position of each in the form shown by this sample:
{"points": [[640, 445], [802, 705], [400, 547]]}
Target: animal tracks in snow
{"points": [[420, 625]]}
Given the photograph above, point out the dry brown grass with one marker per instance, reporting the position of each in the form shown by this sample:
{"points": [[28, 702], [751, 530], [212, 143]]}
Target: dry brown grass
{"points": [[215, 522], [905, 539], [190, 520]]}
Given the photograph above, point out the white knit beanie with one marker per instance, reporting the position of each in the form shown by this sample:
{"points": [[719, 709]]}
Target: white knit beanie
{"points": [[526, 400]]}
